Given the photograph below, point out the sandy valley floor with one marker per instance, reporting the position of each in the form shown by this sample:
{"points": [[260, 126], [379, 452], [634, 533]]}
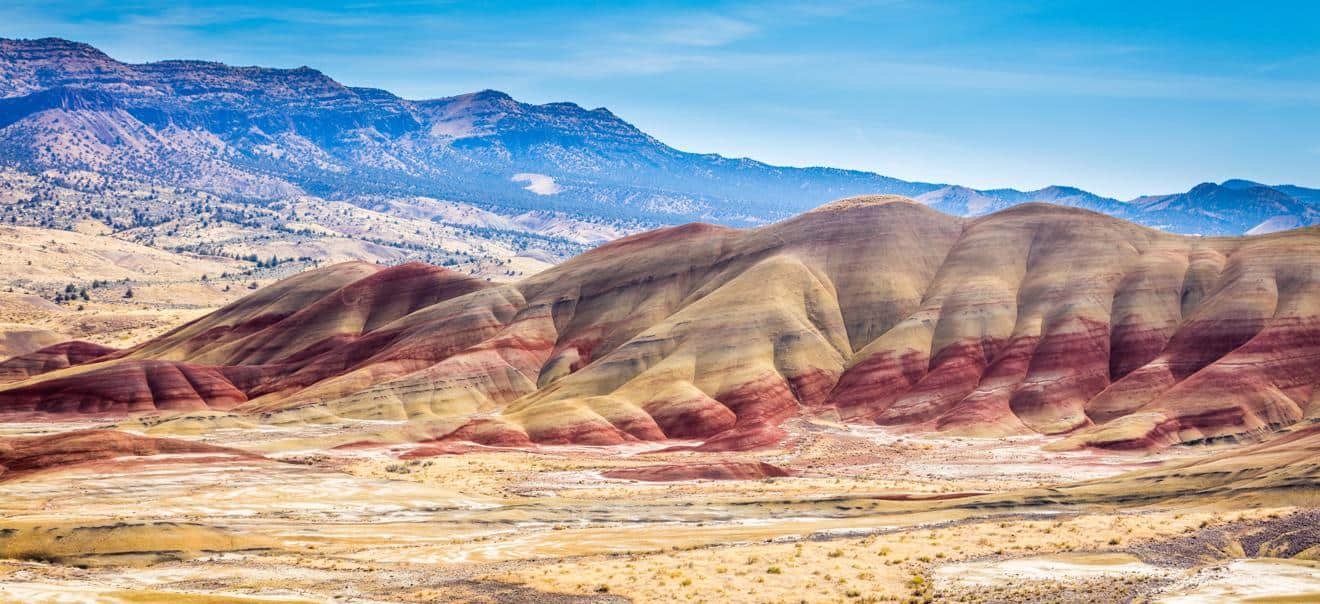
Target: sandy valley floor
{"points": [[869, 516]]}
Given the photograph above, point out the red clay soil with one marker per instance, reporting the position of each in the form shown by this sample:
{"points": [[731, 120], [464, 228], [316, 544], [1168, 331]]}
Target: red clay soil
{"points": [[51, 358], [127, 387], [724, 470], [446, 448], [23, 456], [929, 496]]}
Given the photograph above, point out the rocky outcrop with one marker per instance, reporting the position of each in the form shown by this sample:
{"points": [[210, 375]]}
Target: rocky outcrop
{"points": [[1037, 319]]}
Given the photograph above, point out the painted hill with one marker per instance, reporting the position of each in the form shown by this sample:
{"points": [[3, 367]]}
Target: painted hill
{"points": [[17, 339], [25, 455], [1283, 468], [50, 358], [1035, 319]]}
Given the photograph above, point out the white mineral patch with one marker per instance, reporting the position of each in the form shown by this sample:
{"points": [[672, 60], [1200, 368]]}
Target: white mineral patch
{"points": [[540, 184], [1056, 568], [1255, 580]]}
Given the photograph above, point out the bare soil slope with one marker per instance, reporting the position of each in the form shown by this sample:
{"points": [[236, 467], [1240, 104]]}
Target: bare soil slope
{"points": [[1037, 319]]}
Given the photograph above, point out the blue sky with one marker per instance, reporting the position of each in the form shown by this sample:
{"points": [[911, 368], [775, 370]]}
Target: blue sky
{"points": [[1115, 97]]}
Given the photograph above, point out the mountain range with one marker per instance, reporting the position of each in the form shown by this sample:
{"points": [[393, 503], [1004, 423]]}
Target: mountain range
{"points": [[258, 135]]}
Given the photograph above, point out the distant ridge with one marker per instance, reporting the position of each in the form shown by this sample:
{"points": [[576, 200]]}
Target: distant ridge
{"points": [[261, 134]]}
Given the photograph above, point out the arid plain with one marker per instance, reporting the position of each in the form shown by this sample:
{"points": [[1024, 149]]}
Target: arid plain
{"points": [[867, 515]]}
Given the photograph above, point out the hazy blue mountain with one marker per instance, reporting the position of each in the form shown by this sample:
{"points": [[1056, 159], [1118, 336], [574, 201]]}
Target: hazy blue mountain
{"points": [[970, 202], [1308, 196], [259, 134], [298, 127], [1232, 207]]}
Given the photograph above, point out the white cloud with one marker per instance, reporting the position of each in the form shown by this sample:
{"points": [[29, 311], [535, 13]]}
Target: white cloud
{"points": [[703, 30]]}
